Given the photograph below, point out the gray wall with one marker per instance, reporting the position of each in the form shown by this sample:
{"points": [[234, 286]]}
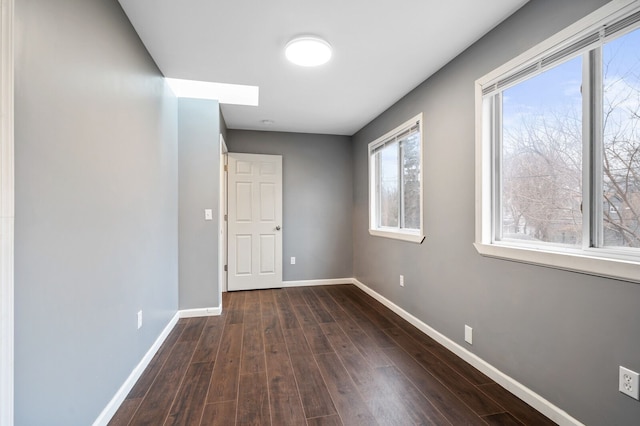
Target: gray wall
{"points": [[559, 333], [199, 182], [317, 199], [96, 207]]}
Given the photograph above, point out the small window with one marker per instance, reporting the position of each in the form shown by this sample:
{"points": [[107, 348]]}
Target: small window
{"points": [[395, 178]]}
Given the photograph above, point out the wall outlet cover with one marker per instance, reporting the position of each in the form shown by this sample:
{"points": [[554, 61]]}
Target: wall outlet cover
{"points": [[629, 382]]}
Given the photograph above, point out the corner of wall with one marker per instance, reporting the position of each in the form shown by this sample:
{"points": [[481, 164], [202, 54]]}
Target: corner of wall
{"points": [[199, 129]]}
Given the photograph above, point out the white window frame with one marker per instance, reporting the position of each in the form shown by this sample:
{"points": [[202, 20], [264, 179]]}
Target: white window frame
{"points": [[399, 233], [623, 264]]}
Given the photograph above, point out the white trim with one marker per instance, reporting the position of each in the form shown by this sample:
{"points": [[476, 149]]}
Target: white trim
{"points": [[113, 405], [575, 262], [307, 283], [7, 215], [610, 263], [398, 234], [222, 224], [201, 312], [518, 389]]}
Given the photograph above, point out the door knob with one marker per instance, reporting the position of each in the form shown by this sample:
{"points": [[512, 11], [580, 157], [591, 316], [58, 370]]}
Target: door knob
{"points": [[278, 228]]}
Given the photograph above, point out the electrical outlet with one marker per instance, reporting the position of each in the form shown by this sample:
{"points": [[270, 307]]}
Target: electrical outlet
{"points": [[293, 260], [468, 334], [628, 383], [139, 319], [401, 280]]}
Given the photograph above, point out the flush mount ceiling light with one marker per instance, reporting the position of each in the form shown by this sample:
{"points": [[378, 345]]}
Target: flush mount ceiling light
{"points": [[308, 51]]}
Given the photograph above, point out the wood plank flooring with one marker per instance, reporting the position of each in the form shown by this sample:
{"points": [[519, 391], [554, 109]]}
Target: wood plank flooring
{"points": [[328, 355]]}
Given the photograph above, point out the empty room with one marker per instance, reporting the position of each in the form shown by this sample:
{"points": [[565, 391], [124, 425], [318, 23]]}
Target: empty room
{"points": [[319, 213]]}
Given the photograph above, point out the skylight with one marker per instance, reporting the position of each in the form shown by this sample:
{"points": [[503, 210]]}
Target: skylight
{"points": [[234, 94]]}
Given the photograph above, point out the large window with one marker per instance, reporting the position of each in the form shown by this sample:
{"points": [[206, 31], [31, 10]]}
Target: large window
{"points": [[559, 150], [395, 177]]}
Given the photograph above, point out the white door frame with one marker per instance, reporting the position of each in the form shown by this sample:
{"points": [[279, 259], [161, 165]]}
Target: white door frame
{"points": [[7, 214], [222, 222]]}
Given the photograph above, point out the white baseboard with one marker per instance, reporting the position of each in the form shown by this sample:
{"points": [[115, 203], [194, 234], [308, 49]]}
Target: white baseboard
{"points": [[111, 408], [113, 405], [518, 389], [307, 283], [200, 312]]}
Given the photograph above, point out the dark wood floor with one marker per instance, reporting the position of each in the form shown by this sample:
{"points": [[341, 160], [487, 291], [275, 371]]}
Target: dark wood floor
{"points": [[312, 356]]}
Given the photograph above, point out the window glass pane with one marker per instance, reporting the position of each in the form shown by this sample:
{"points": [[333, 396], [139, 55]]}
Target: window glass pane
{"points": [[542, 157], [389, 185], [411, 181], [621, 156]]}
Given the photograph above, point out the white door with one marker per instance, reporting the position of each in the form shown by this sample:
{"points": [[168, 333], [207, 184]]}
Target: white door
{"points": [[255, 220]]}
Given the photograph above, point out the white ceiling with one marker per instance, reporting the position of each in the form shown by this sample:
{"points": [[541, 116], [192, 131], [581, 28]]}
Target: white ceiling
{"points": [[381, 50]]}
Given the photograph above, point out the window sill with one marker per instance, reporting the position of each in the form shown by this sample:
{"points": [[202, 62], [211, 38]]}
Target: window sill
{"points": [[398, 235], [619, 269]]}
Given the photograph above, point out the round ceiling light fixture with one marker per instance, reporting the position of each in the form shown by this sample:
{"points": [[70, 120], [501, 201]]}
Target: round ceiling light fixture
{"points": [[308, 51]]}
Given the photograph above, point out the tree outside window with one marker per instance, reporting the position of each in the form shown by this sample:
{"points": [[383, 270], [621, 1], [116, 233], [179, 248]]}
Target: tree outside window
{"points": [[396, 183], [542, 150]]}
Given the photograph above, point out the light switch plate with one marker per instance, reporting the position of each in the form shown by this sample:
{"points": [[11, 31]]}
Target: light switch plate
{"points": [[208, 214]]}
